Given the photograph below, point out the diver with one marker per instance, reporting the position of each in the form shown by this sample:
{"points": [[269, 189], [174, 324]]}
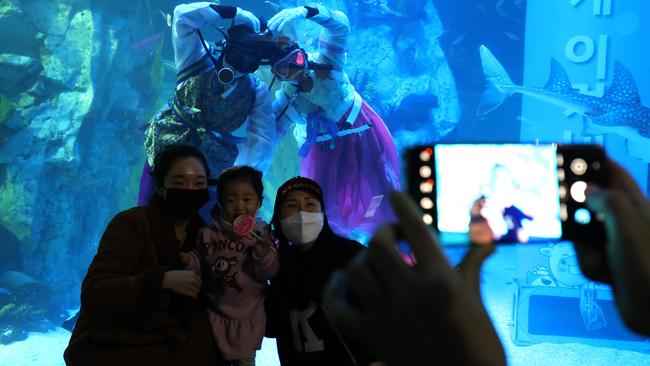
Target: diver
{"points": [[348, 150], [216, 93]]}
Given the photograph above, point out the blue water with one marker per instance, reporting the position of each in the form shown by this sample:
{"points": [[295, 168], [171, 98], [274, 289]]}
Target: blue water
{"points": [[78, 80]]}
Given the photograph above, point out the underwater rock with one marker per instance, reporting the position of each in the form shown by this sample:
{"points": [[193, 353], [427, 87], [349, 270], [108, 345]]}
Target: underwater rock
{"points": [[15, 279], [17, 73], [69, 55], [21, 39], [417, 107], [71, 151], [9, 250], [376, 69], [16, 205]]}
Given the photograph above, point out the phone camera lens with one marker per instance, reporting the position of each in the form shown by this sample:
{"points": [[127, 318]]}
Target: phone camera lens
{"points": [[578, 166], [578, 190], [582, 216]]}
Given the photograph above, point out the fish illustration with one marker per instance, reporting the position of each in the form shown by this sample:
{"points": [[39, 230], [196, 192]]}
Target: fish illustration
{"points": [[618, 111]]}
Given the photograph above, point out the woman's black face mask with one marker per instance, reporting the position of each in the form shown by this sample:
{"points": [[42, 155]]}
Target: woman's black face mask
{"points": [[184, 203]]}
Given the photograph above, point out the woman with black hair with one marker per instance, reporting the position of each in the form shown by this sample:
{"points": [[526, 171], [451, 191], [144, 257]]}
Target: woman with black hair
{"points": [[216, 93], [138, 305], [309, 253]]}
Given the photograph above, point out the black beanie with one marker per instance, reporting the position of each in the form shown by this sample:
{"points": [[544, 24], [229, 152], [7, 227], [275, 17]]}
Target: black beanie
{"points": [[296, 183]]}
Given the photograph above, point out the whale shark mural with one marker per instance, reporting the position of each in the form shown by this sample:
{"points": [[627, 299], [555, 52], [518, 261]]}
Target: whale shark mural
{"points": [[618, 111]]}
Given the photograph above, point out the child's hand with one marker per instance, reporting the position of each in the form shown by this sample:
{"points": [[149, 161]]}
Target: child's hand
{"points": [[262, 248]]}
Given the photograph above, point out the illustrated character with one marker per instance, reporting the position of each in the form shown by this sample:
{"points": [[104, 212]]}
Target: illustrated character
{"points": [[221, 269], [564, 271]]}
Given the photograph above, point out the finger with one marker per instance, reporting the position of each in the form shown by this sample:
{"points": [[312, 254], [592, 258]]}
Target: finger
{"points": [[614, 206], [622, 181], [362, 284], [271, 24], [625, 228], [423, 242], [593, 261], [256, 25], [279, 17], [480, 232], [192, 287], [285, 23], [190, 290], [385, 261], [470, 267], [348, 320]]}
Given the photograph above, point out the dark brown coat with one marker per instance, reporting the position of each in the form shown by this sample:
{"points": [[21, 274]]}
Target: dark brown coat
{"points": [[126, 318]]}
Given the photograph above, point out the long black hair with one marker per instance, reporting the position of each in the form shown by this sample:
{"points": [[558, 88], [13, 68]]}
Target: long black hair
{"points": [[172, 153]]}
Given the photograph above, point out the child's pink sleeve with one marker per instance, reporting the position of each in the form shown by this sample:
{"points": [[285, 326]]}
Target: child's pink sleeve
{"points": [[266, 267]]}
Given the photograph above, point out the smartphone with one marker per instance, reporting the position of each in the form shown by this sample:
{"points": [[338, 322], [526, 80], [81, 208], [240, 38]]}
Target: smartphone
{"points": [[524, 192]]}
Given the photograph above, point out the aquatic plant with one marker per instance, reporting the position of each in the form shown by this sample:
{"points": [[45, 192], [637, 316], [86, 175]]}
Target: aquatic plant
{"points": [[25, 310]]}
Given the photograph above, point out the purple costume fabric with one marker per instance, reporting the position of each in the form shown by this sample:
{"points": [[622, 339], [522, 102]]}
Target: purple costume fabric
{"points": [[147, 186], [357, 174]]}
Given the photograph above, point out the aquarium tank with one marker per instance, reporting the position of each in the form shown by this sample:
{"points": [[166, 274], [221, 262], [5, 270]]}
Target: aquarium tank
{"points": [[81, 79]]}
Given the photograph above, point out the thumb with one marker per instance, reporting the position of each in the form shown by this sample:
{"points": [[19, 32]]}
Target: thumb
{"points": [[470, 267]]}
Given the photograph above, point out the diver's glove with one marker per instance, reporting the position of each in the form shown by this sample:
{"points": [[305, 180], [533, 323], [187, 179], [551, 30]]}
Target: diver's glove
{"points": [[246, 17], [289, 87], [280, 20]]}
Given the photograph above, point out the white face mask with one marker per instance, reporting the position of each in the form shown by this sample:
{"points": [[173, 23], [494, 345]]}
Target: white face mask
{"points": [[303, 227]]}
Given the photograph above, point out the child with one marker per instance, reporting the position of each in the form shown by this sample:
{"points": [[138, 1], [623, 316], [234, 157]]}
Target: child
{"points": [[235, 266]]}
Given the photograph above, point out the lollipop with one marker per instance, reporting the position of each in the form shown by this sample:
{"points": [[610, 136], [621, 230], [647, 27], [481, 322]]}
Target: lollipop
{"points": [[243, 225]]}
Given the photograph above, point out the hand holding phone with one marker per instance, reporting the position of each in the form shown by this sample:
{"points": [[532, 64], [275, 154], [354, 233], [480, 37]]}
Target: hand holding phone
{"points": [[524, 192]]}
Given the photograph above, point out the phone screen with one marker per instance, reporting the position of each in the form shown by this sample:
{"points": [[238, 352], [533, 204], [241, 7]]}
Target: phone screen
{"points": [[513, 187]]}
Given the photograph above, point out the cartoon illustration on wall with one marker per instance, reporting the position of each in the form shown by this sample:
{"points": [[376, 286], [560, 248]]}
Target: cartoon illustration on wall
{"points": [[563, 270], [618, 111]]}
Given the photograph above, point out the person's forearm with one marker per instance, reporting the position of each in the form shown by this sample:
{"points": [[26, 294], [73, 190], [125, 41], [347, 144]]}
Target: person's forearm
{"points": [[188, 18], [333, 48]]}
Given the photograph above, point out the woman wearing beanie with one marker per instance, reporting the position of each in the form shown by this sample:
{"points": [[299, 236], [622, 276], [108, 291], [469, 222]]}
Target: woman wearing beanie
{"points": [[309, 253]]}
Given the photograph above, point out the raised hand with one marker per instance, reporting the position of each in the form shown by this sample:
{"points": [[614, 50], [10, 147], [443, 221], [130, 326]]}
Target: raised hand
{"points": [[246, 17], [624, 260], [431, 313], [280, 20]]}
